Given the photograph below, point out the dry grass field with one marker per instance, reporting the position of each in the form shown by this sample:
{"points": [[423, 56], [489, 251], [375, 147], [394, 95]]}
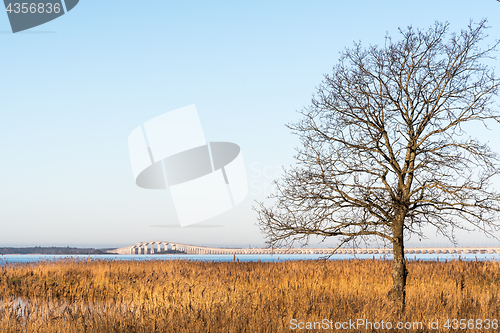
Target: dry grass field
{"points": [[188, 296]]}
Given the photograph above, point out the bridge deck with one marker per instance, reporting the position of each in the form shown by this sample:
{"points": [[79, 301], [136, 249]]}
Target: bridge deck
{"points": [[157, 246]]}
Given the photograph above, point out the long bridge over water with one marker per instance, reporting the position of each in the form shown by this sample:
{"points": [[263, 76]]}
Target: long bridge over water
{"points": [[161, 246]]}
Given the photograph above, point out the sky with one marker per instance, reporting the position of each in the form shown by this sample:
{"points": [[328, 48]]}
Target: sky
{"points": [[73, 89]]}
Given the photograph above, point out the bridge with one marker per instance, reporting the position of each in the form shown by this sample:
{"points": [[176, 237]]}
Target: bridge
{"points": [[155, 247]]}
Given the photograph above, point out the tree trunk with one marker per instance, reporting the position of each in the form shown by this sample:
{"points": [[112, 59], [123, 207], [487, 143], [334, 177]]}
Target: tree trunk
{"points": [[399, 274]]}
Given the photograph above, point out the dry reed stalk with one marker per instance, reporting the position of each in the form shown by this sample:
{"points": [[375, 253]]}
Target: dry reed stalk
{"points": [[189, 296]]}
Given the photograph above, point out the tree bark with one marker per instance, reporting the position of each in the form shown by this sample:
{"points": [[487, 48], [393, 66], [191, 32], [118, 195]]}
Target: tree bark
{"points": [[398, 292]]}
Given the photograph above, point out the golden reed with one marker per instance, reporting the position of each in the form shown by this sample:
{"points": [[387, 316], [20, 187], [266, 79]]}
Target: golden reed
{"points": [[187, 296]]}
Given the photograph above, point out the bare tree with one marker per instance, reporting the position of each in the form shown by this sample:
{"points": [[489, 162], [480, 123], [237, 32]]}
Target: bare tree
{"points": [[384, 150]]}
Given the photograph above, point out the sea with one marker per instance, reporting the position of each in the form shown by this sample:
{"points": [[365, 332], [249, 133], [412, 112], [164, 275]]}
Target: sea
{"points": [[30, 258]]}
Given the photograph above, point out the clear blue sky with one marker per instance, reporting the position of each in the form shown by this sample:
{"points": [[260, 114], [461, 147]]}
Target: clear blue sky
{"points": [[73, 89]]}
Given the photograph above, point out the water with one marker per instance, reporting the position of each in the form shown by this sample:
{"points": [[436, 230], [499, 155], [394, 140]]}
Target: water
{"points": [[4, 259]]}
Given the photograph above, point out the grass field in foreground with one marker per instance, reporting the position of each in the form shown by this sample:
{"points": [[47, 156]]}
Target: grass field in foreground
{"points": [[187, 296]]}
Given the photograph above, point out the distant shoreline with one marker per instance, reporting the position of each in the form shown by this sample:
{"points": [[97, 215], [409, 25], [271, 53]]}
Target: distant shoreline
{"points": [[44, 250], [53, 250]]}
